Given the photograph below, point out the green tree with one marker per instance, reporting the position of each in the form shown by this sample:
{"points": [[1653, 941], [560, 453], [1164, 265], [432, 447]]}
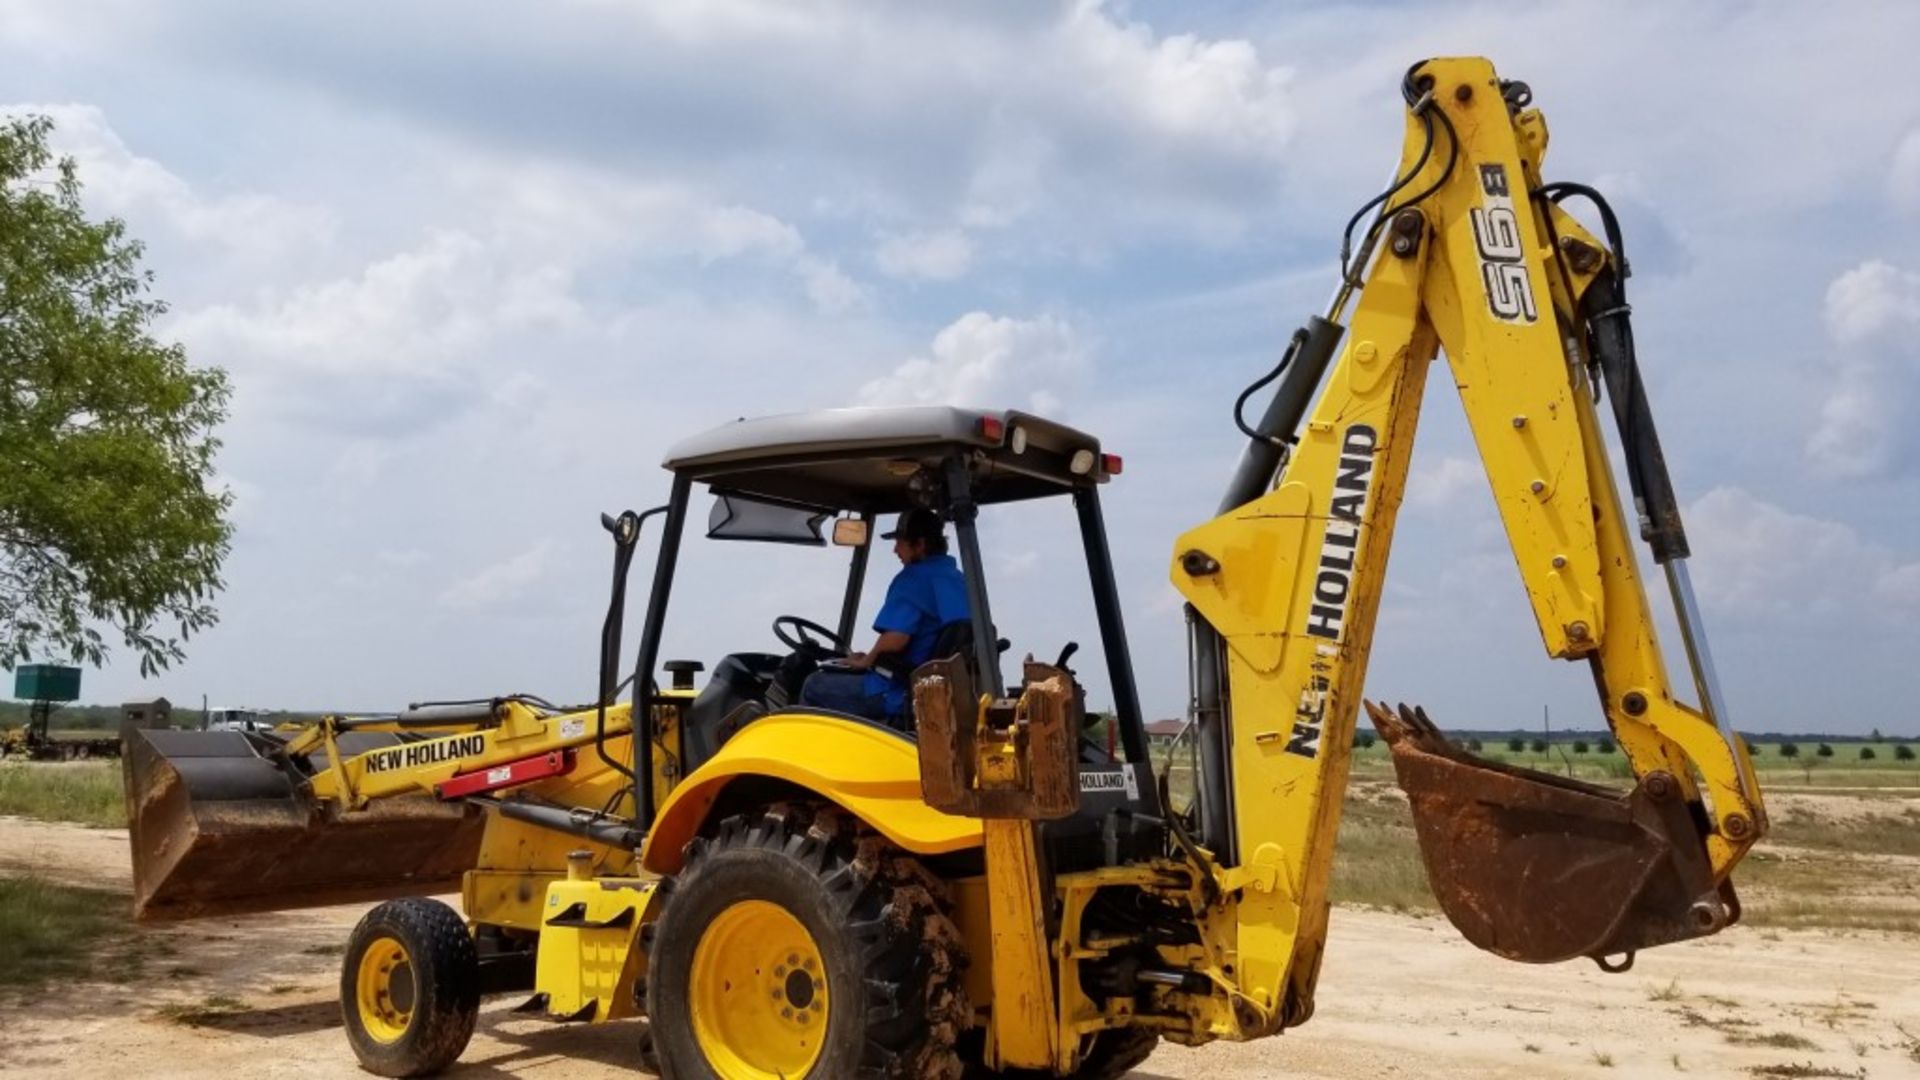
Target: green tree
{"points": [[106, 435], [1867, 754], [1903, 752], [1580, 746], [1516, 745], [1604, 746], [1539, 746], [1788, 749], [1824, 750]]}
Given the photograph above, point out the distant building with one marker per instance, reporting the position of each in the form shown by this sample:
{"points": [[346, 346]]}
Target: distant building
{"points": [[149, 715], [1163, 732]]}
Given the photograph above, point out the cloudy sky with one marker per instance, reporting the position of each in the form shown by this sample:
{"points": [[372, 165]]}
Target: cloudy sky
{"points": [[473, 267]]}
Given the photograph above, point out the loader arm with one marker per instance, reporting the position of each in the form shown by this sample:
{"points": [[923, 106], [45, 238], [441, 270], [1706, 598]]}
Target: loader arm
{"points": [[1471, 258], [349, 810]]}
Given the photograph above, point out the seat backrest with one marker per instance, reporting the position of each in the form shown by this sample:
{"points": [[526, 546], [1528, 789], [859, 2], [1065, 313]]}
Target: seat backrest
{"points": [[953, 637]]}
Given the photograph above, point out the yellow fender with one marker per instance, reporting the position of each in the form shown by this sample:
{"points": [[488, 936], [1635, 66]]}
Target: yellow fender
{"points": [[873, 774]]}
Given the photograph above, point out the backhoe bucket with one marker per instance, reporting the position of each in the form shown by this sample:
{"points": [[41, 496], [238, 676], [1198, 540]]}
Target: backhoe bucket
{"points": [[222, 824], [1542, 868]]}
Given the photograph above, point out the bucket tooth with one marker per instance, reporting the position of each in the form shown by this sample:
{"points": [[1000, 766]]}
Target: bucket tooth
{"points": [[1543, 868]]}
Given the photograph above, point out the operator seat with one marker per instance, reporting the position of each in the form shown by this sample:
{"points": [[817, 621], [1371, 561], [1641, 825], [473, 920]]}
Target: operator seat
{"points": [[734, 697]]}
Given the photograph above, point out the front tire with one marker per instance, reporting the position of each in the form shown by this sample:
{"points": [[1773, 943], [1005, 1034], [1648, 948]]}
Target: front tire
{"points": [[409, 988], [785, 952]]}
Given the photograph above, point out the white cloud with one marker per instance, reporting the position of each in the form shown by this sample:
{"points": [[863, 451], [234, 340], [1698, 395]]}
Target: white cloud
{"points": [[119, 182], [936, 256], [1871, 300], [1873, 319], [1900, 586], [501, 583], [986, 360], [575, 210], [1075, 111], [831, 291], [579, 215], [412, 312], [1761, 562], [394, 345], [1442, 483], [1903, 180]]}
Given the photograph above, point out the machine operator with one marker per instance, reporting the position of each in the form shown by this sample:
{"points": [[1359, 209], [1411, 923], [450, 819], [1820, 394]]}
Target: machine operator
{"points": [[928, 593]]}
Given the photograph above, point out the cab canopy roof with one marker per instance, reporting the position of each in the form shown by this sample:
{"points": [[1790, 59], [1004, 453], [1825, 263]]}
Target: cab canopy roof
{"points": [[866, 459]]}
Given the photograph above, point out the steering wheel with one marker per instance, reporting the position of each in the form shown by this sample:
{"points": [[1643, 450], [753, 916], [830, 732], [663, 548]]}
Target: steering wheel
{"points": [[797, 634]]}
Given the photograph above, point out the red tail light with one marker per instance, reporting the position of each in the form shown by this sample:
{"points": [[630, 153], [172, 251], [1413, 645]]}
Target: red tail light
{"points": [[992, 429], [1111, 464]]}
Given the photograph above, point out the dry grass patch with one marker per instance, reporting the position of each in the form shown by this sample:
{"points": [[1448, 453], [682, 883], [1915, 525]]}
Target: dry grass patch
{"points": [[1378, 860], [1779, 1040], [208, 1010], [1669, 992]]}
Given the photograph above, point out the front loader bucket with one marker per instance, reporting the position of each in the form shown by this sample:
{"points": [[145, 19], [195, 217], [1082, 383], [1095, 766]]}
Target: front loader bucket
{"points": [[1542, 868], [221, 824]]}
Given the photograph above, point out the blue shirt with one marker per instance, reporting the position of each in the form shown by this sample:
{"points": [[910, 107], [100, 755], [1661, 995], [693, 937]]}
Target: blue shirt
{"points": [[923, 597]]}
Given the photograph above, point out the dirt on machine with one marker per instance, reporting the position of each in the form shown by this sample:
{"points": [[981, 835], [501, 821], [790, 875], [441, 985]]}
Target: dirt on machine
{"points": [[962, 879], [222, 824]]}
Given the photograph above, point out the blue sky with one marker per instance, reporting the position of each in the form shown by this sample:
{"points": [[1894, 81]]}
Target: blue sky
{"points": [[472, 268]]}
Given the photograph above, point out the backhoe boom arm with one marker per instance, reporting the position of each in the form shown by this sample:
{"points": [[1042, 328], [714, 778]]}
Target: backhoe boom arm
{"points": [[1469, 257]]}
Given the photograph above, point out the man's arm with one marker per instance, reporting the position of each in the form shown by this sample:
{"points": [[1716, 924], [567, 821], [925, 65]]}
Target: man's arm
{"points": [[892, 641]]}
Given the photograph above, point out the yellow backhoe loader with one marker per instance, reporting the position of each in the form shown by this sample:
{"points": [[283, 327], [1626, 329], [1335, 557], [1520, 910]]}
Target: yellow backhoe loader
{"points": [[977, 887]]}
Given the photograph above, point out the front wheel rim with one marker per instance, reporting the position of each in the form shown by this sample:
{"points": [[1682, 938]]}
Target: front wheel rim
{"points": [[758, 994], [384, 990]]}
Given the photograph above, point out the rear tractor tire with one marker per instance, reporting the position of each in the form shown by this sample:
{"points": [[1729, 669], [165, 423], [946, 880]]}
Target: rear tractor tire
{"points": [[409, 988], [786, 950]]}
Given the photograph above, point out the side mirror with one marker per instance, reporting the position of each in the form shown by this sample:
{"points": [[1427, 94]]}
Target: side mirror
{"points": [[850, 532]]}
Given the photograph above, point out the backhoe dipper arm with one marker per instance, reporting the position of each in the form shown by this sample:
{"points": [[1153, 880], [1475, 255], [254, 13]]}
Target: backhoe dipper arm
{"points": [[1468, 255]]}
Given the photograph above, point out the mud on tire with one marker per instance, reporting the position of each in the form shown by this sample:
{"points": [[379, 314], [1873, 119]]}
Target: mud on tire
{"points": [[891, 956], [439, 988]]}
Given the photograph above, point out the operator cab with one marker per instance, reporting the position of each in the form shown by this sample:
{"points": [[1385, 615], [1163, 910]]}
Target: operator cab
{"points": [[827, 478]]}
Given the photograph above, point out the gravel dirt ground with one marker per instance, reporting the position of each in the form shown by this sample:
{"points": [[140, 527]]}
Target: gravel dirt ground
{"points": [[1399, 996]]}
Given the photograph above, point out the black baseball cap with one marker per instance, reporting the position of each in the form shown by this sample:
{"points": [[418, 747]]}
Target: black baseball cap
{"points": [[916, 524]]}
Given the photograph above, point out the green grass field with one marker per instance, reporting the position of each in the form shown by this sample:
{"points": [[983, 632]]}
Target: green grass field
{"points": [[88, 792]]}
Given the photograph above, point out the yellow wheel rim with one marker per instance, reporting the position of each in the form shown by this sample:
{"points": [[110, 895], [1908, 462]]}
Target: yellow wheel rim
{"points": [[758, 992], [384, 990]]}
